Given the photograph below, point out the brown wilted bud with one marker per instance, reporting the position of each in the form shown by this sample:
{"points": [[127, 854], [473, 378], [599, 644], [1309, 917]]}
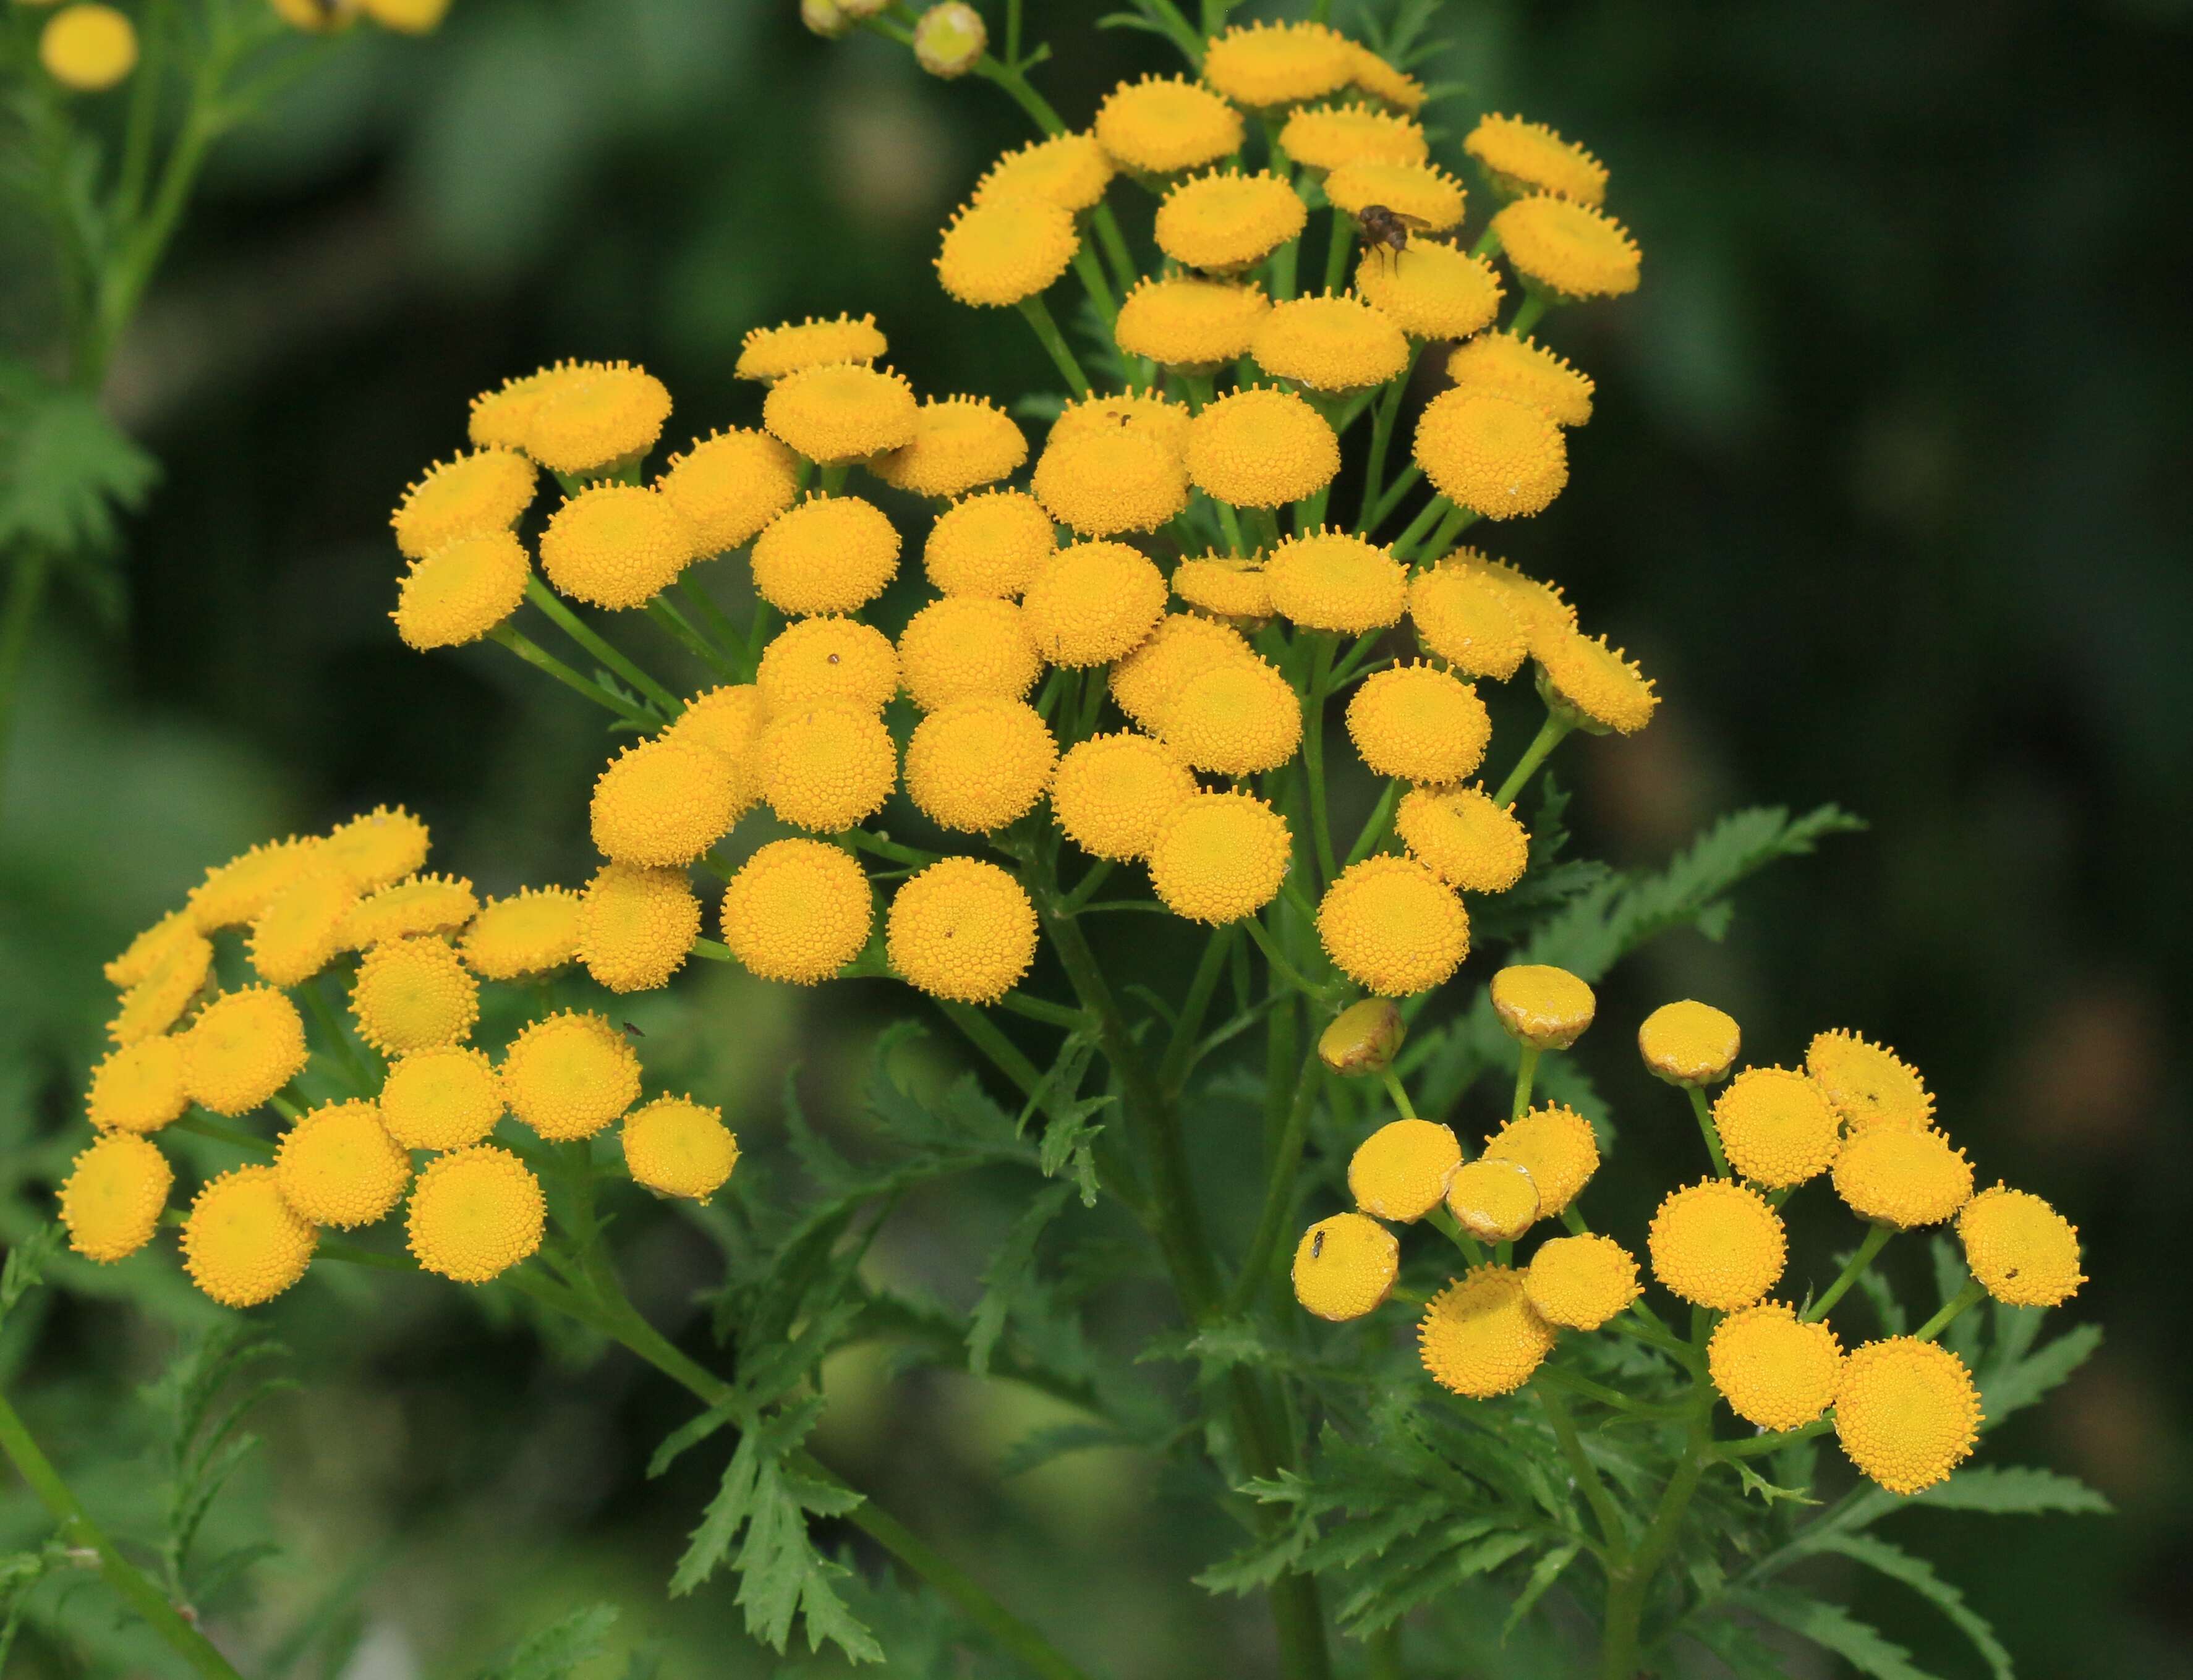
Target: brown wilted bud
{"points": [[1363, 1038]]}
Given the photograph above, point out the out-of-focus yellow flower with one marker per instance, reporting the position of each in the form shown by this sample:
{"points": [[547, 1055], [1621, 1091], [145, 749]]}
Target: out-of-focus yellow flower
{"points": [[948, 40], [471, 496], [1523, 371], [729, 484], [88, 47], [476, 1213], [1325, 137], [1372, 74], [676, 1147], [1264, 66], [1069, 170], [112, 1198], [837, 412], [242, 1243], [1424, 191], [1418, 723], [828, 554], [1602, 688], [617, 546], [1523, 157], [378, 847], [1330, 344], [636, 926]]}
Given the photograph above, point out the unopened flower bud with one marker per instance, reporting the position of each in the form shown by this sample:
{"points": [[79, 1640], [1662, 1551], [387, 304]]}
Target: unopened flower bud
{"points": [[858, 10], [1545, 1008], [950, 40], [826, 18], [1363, 1038], [1689, 1044]]}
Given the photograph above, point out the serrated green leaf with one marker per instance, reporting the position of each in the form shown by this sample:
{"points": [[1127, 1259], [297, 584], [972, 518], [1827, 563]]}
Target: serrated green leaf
{"points": [[556, 1650], [1832, 1629], [1544, 1574], [66, 472], [2005, 1389], [1769, 1493], [1008, 1274], [1919, 1575], [2015, 1488], [1038, 1447]]}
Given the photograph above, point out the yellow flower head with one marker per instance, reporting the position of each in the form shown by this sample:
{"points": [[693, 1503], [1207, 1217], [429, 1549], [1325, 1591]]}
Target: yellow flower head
{"points": [[1146, 414], [827, 767], [501, 417], [338, 1166], [1776, 1371], [473, 495], [616, 546], [978, 764], [1182, 646], [797, 911], [1236, 718], [1523, 371], [111, 1201], [425, 904], [1093, 603], [1463, 616], [1568, 248], [235, 892], [1267, 64], [1112, 791], [88, 48], [461, 591], [300, 932], [841, 411], [769, 353], [138, 1088], [475, 1213], [1480, 1336], [828, 554], [1326, 137], [1006, 248], [831, 660], [1907, 1412], [1545, 614], [1069, 170], [376, 848], [636, 926], [949, 39], [1431, 289], [1903, 1179], [989, 545], [243, 1244], [1218, 857], [146, 949], [597, 421], [729, 721], [1556, 1145], [1423, 190], [968, 646], [1345, 1267], [1869, 1084], [1330, 344], [1363, 1038], [1777, 1127], [959, 443], [1689, 1044], [1603, 689], [1494, 456], [1471, 844], [1579, 1282], [729, 485], [1102, 482], [962, 931], [1223, 220], [1259, 448], [155, 1001], [1228, 588], [1370, 74], [1390, 927], [1496, 1201], [676, 1147], [444, 1097], [1161, 125], [413, 993], [1419, 723], [244, 1047], [1522, 158], [570, 1075], [1185, 321], [2022, 1250], [1717, 1244], [659, 802], [1399, 1172]]}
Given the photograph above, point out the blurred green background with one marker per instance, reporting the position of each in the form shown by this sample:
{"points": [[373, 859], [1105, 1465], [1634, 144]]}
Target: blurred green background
{"points": [[1886, 487]]}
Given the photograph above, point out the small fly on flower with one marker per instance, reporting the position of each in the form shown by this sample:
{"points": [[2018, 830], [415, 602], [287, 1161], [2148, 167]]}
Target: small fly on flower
{"points": [[1386, 230]]}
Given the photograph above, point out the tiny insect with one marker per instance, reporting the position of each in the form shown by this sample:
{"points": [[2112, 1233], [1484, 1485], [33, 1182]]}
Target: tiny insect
{"points": [[633, 1031], [1386, 230], [1317, 1245]]}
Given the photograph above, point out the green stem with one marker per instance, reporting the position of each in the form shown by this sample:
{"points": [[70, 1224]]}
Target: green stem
{"points": [[683, 632], [77, 1529], [1382, 436], [1086, 889], [1428, 516], [1876, 1238], [1314, 754], [1403, 482], [339, 1040], [27, 592], [1551, 734], [1966, 1298], [541, 659], [1709, 1130], [1091, 275], [1279, 1189], [1037, 314], [1526, 1072], [1115, 244], [1375, 828], [1526, 314], [1336, 253], [205, 1126], [1051, 1014], [1280, 966], [1629, 1582], [1441, 540], [1181, 1051], [584, 634], [1580, 1468], [721, 633], [1399, 1092], [1230, 523]]}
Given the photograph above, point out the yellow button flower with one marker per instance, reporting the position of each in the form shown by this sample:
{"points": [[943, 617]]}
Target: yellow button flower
{"points": [[1330, 344], [661, 802], [1498, 458], [1363, 1038], [1579, 1282], [1481, 1336], [828, 554], [1401, 1171], [1372, 74], [1093, 603], [412, 994], [425, 904], [962, 931], [1462, 615], [976, 765], [2022, 1250], [1111, 792], [244, 1047], [1390, 927], [1183, 320], [1422, 191], [138, 1088], [473, 495], [1556, 1145], [1522, 157], [1259, 448], [1069, 170], [112, 1198], [1182, 646], [959, 443], [460, 591], [157, 1002], [242, 1243], [1345, 1267], [1146, 413], [729, 485], [147, 948], [1430, 289], [1568, 248], [1224, 221], [1417, 723], [1164, 124], [1218, 857], [337, 1166], [1603, 690], [1228, 588], [617, 546], [1009, 248], [1102, 484], [797, 911], [992, 544], [1262, 66], [1325, 137], [1906, 1412], [636, 926], [1777, 1127], [831, 660], [676, 1147], [1495, 1201], [769, 353], [1328, 580], [533, 932], [1717, 1244], [1236, 718], [1540, 608], [1902, 1179], [501, 418], [570, 1075], [1869, 1084], [1471, 844], [300, 932], [968, 647], [598, 420], [441, 1098], [729, 721], [88, 48], [840, 411], [378, 847], [476, 1213], [1689, 1044], [235, 892], [827, 767], [1500, 364], [1776, 1371]]}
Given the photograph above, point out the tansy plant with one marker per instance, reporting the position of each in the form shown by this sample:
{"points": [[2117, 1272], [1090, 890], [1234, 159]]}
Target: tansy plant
{"points": [[1223, 606]]}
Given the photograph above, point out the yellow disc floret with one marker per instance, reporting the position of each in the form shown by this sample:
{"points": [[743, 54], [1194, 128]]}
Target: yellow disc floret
{"points": [[1330, 344], [157, 1001], [425, 904], [968, 646], [1390, 927], [444, 1097], [1601, 689], [1480, 1336], [88, 47], [828, 554], [1369, 73], [1224, 588], [827, 767], [797, 911], [1462, 615], [636, 926], [235, 892], [1570, 249], [1401, 1171], [1903, 1179], [412, 994], [1495, 1201], [1430, 289], [1259, 448], [1103, 482], [840, 411], [138, 1088], [1775, 1370], [501, 417], [337, 1166], [1419, 723], [676, 1147], [461, 591], [1689, 1044], [598, 421], [989, 545], [959, 443], [474, 495], [244, 1047], [568, 1076], [1556, 1145], [1522, 158], [1182, 646], [1069, 170], [1264, 65], [1777, 1127], [1579, 1282], [829, 659], [533, 932], [1540, 608], [978, 764], [728, 720], [1218, 857], [1424, 191], [1717, 1244], [1093, 603], [146, 949], [729, 485], [1161, 125], [300, 932], [1325, 137], [661, 801], [1869, 1084], [112, 1198], [1008, 248], [377, 849], [2022, 1250], [1236, 718], [1492, 455], [1111, 792], [475, 1213], [616, 546], [1471, 844], [1503, 365], [1181, 321], [1328, 579], [770, 353], [1907, 1412], [1224, 221], [1345, 1267], [243, 1244], [962, 931]]}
